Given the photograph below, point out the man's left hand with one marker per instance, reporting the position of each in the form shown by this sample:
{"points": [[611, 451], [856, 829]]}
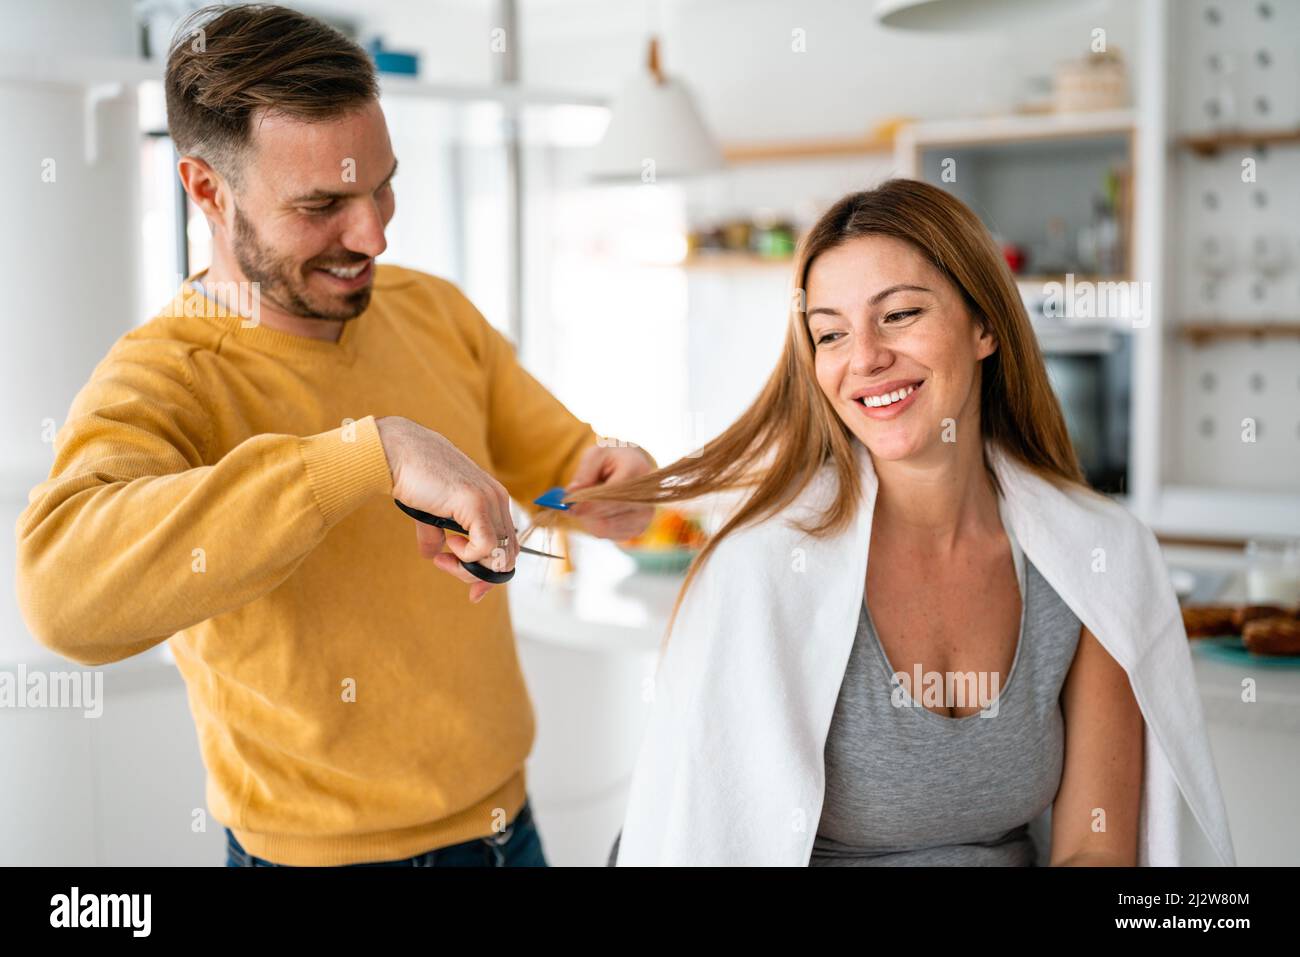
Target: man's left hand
{"points": [[602, 465]]}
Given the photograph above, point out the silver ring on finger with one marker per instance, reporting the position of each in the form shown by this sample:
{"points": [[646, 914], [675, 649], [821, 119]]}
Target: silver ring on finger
{"points": [[503, 542]]}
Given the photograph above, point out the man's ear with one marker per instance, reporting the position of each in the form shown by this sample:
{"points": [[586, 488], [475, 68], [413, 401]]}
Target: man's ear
{"points": [[205, 186]]}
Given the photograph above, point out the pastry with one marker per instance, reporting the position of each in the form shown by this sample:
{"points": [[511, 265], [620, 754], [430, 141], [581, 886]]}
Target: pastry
{"points": [[1209, 621], [1279, 635], [1247, 613]]}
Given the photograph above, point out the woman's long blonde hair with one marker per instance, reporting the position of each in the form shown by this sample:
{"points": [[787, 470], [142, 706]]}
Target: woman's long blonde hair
{"points": [[791, 430]]}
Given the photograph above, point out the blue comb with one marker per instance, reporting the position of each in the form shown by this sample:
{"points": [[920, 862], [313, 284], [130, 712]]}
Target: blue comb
{"points": [[552, 498]]}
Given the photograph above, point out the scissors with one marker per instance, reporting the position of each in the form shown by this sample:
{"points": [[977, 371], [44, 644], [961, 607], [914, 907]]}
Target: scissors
{"points": [[480, 571]]}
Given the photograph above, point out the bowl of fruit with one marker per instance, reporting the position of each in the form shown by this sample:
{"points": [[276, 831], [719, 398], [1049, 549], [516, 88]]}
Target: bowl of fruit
{"points": [[669, 544]]}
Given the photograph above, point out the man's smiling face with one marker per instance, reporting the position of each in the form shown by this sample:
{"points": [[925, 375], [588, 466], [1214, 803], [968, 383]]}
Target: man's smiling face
{"points": [[310, 209]]}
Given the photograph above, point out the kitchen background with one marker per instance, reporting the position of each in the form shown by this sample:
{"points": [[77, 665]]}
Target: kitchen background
{"points": [[1153, 143]]}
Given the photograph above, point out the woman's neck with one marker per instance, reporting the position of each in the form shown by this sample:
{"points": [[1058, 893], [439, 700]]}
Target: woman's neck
{"points": [[939, 501]]}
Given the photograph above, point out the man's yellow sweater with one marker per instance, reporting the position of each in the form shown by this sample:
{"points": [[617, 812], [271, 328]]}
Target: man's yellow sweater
{"points": [[225, 487]]}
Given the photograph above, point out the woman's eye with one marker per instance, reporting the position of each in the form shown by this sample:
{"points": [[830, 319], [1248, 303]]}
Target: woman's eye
{"points": [[827, 337], [904, 314]]}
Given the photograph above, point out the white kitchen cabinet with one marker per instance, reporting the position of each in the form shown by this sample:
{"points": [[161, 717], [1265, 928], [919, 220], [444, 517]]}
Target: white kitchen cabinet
{"points": [[119, 789]]}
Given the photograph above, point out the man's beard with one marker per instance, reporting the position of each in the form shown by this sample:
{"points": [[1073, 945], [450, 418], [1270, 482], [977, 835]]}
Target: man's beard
{"points": [[281, 282]]}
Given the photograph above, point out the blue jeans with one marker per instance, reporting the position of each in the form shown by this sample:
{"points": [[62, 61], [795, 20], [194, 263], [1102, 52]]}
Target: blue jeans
{"points": [[519, 845]]}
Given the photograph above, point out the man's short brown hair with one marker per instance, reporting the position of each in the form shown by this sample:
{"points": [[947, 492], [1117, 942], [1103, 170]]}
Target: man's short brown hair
{"points": [[228, 63]]}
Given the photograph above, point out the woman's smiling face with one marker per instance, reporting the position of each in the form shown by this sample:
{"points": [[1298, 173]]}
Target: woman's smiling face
{"points": [[890, 327]]}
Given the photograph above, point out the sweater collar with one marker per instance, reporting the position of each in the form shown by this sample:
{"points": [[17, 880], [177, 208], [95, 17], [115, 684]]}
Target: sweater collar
{"points": [[208, 305]]}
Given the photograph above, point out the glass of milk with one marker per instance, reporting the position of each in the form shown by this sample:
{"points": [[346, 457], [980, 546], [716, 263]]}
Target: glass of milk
{"points": [[1273, 571]]}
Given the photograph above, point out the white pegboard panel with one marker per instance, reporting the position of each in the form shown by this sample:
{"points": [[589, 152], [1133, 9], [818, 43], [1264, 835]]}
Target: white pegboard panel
{"points": [[1221, 385], [1237, 244], [1235, 66]]}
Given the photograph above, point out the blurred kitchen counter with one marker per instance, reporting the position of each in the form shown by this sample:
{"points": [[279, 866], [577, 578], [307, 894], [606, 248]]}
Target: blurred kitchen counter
{"points": [[1276, 705]]}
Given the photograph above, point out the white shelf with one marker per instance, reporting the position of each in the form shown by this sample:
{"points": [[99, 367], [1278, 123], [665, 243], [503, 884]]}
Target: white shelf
{"points": [[87, 71], [1012, 128], [1196, 511], [78, 71], [403, 86]]}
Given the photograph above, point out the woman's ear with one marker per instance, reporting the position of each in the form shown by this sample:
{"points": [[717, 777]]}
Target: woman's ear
{"points": [[986, 341]]}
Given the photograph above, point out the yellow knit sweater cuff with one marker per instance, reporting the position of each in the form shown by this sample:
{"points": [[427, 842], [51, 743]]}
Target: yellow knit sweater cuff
{"points": [[346, 466]]}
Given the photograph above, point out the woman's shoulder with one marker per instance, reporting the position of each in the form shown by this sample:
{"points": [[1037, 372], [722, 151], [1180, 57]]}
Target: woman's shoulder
{"points": [[1106, 517], [1060, 503]]}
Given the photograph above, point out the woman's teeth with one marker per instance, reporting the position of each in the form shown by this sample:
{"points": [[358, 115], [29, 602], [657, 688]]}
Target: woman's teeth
{"points": [[351, 272], [889, 398]]}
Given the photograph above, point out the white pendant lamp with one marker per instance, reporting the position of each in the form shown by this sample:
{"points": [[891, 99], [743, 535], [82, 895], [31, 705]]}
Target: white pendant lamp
{"points": [[655, 131], [971, 14]]}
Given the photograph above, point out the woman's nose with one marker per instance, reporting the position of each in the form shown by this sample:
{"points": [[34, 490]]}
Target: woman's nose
{"points": [[869, 355]]}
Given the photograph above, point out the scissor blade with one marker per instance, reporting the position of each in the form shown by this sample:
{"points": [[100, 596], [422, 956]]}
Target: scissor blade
{"points": [[449, 525], [533, 551]]}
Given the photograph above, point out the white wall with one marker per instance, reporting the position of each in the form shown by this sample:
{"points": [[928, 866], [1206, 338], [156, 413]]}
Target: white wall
{"points": [[118, 788], [751, 86], [736, 55]]}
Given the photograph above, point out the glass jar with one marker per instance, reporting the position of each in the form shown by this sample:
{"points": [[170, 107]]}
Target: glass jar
{"points": [[1273, 571]]}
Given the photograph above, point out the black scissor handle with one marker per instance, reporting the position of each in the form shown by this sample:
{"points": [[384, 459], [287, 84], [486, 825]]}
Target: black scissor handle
{"points": [[477, 569]]}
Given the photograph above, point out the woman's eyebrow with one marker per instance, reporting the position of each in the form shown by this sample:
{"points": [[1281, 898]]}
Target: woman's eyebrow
{"points": [[901, 287], [883, 294]]}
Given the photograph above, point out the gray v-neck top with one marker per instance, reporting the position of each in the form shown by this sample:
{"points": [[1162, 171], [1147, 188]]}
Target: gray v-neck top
{"points": [[907, 786]]}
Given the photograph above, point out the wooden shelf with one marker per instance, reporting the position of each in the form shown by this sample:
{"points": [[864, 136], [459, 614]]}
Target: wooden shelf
{"points": [[1211, 144], [1196, 541], [734, 260], [805, 149], [1202, 332]]}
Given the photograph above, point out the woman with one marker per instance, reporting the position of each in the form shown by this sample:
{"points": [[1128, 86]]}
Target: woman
{"points": [[970, 701]]}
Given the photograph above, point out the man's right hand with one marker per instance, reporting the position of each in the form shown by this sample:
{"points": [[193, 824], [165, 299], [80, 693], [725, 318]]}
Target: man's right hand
{"points": [[431, 474]]}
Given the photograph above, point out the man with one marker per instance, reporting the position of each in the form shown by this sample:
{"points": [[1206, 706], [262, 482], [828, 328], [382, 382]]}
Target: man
{"points": [[227, 476]]}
